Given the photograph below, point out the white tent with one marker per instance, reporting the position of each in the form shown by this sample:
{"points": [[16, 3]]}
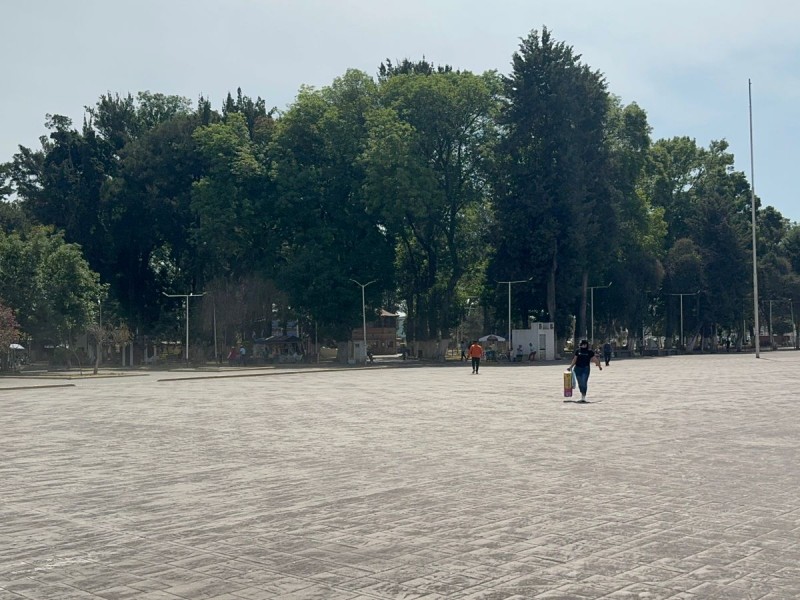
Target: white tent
{"points": [[492, 338]]}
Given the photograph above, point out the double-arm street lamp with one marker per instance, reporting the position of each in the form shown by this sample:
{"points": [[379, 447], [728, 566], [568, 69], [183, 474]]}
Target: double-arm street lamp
{"points": [[186, 299], [592, 288], [509, 306], [364, 312]]}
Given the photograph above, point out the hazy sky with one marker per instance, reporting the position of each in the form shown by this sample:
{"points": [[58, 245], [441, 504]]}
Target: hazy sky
{"points": [[686, 63]]}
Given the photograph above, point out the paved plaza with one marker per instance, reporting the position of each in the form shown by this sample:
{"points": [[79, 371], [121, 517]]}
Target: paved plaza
{"points": [[405, 482]]}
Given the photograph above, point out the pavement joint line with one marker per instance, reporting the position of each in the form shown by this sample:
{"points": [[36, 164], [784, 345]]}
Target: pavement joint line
{"points": [[36, 387], [270, 373]]}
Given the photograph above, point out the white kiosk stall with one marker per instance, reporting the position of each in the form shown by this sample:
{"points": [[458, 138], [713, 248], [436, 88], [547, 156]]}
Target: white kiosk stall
{"points": [[541, 335]]}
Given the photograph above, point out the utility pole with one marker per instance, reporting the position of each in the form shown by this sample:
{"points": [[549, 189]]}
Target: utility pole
{"points": [[186, 299], [364, 312], [510, 347], [683, 344]]}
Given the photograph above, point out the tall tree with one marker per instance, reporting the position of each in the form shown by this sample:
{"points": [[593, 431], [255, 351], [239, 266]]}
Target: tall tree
{"points": [[553, 207], [328, 236], [426, 182]]}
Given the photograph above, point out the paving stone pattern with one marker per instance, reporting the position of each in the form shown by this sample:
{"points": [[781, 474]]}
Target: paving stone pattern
{"points": [[406, 483]]}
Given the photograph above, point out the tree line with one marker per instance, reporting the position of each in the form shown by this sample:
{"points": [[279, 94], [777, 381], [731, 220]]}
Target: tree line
{"points": [[436, 183]]}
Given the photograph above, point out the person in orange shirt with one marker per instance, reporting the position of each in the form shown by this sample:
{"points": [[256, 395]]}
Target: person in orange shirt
{"points": [[475, 352]]}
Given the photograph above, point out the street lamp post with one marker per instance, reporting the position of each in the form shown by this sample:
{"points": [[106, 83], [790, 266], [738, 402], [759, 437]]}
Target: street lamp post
{"points": [[592, 288], [364, 312], [509, 307], [186, 299], [683, 344]]}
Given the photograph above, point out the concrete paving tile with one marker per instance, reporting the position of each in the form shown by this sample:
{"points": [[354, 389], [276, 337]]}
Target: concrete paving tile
{"points": [[642, 590], [318, 592], [255, 593], [204, 588], [118, 592]]}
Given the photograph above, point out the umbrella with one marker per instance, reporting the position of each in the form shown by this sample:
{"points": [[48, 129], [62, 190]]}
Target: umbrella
{"points": [[491, 338], [16, 347]]}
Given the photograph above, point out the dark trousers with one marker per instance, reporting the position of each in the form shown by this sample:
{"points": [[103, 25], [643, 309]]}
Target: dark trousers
{"points": [[476, 363], [607, 356]]}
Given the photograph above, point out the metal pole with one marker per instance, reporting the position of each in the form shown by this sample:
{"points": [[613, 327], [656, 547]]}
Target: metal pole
{"points": [[186, 297], [216, 353], [753, 219], [364, 319], [771, 339], [509, 317], [682, 344], [508, 339], [186, 350], [364, 312]]}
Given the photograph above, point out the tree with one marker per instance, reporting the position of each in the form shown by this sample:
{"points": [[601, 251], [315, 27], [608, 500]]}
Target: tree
{"points": [[48, 283], [225, 203], [328, 237], [553, 207], [426, 183]]}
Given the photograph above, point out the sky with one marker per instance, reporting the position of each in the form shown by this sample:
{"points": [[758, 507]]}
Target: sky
{"points": [[686, 63]]}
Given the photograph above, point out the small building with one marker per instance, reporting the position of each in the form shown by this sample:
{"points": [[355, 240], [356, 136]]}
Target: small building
{"points": [[381, 333], [540, 337]]}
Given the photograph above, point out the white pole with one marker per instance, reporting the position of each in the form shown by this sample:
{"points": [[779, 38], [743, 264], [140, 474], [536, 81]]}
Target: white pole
{"points": [[753, 219], [364, 312], [508, 339], [681, 321], [186, 350], [509, 319], [186, 297], [364, 319]]}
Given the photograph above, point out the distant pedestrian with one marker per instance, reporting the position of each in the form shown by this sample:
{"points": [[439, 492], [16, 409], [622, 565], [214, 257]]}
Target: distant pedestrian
{"points": [[531, 352], [520, 353], [232, 356], [464, 349], [243, 355], [607, 351], [580, 365], [475, 352]]}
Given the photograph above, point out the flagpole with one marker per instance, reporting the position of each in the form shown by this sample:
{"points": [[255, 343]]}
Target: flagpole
{"points": [[753, 218]]}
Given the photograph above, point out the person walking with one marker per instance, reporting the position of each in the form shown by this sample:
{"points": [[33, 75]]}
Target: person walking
{"points": [[475, 352], [580, 366], [463, 349], [607, 351]]}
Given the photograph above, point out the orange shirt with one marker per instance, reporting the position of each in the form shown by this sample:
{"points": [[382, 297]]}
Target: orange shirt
{"points": [[475, 351]]}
